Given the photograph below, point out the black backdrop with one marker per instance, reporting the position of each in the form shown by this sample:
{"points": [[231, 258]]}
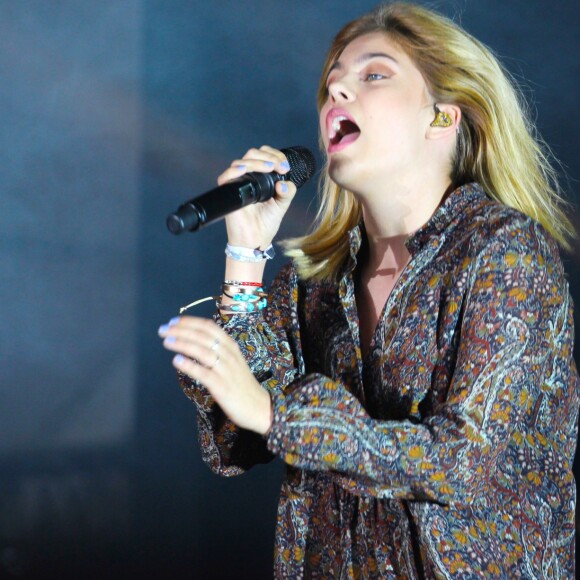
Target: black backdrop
{"points": [[112, 114]]}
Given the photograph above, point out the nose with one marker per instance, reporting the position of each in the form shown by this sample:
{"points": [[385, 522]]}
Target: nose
{"points": [[340, 91]]}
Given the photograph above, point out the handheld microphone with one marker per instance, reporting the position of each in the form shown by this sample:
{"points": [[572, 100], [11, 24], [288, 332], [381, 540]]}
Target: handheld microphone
{"points": [[249, 188]]}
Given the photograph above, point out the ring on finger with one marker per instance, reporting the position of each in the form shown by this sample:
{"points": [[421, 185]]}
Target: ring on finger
{"points": [[215, 345]]}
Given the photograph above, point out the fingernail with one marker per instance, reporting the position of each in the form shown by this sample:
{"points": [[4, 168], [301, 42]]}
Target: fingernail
{"points": [[241, 167], [284, 187], [169, 339], [178, 359], [269, 163], [174, 321], [163, 329], [285, 165]]}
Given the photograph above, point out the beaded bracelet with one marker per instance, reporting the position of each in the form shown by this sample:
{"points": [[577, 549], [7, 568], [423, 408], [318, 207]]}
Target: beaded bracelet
{"points": [[238, 297], [238, 283], [240, 307], [249, 297], [243, 293]]}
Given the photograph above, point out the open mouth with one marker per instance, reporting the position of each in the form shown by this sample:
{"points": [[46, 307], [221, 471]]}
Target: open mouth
{"points": [[343, 130]]}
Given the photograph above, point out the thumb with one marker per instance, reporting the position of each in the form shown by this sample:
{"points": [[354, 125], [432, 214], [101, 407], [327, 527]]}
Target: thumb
{"points": [[285, 192]]}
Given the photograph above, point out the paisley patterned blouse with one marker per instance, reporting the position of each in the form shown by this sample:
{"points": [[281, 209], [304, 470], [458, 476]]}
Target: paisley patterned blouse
{"points": [[447, 452]]}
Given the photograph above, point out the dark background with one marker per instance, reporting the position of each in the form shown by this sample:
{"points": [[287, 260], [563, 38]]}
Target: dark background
{"points": [[113, 113]]}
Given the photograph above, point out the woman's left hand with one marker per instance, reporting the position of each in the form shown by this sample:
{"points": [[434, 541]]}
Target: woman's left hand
{"points": [[208, 355]]}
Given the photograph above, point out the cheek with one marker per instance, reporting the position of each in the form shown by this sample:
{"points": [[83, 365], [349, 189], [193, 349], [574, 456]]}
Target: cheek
{"points": [[386, 127], [392, 123]]}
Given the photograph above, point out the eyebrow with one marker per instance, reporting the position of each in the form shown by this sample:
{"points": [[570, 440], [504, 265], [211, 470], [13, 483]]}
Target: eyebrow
{"points": [[364, 58]]}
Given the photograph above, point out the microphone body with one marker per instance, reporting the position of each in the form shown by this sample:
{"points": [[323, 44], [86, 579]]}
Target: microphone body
{"points": [[249, 188]]}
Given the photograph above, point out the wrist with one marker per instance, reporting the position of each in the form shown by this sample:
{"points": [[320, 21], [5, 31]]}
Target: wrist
{"points": [[249, 242], [252, 255], [245, 271], [249, 238]]}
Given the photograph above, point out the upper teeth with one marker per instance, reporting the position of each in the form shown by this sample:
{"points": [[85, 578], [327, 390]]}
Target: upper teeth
{"points": [[336, 123]]}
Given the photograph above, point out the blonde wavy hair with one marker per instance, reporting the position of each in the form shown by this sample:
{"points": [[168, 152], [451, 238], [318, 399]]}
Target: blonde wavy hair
{"points": [[497, 145]]}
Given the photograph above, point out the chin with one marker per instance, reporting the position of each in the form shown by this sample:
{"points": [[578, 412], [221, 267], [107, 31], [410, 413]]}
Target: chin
{"points": [[344, 173], [340, 170]]}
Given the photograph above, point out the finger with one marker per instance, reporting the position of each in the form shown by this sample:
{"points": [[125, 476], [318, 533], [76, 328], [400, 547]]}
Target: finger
{"points": [[190, 323], [280, 160], [189, 343], [259, 163], [205, 355], [263, 160], [197, 372], [188, 332], [285, 190], [267, 153], [236, 169]]}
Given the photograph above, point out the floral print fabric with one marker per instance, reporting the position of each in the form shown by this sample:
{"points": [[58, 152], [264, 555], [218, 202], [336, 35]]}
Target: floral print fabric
{"points": [[447, 452]]}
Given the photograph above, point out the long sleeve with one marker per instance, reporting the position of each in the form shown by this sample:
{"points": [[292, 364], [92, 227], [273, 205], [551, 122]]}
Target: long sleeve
{"points": [[446, 451], [514, 383], [265, 342]]}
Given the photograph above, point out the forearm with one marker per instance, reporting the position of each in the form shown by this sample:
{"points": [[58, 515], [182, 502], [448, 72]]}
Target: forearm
{"points": [[262, 339], [319, 426], [226, 449]]}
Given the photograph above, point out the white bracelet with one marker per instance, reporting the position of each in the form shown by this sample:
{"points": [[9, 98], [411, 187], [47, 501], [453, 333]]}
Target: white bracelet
{"points": [[241, 254]]}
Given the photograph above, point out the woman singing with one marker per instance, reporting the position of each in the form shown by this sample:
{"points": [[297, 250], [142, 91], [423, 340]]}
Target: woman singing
{"points": [[412, 364]]}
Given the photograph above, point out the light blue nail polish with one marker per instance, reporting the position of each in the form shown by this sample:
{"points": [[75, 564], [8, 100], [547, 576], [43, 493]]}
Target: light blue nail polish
{"points": [[170, 339], [178, 359], [163, 329], [268, 163], [284, 187], [241, 167], [285, 165], [174, 321]]}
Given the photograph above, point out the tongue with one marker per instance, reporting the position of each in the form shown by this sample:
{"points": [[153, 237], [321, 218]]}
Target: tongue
{"points": [[349, 138], [349, 132]]}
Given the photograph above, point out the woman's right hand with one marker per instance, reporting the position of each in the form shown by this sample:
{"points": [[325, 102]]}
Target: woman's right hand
{"points": [[255, 225]]}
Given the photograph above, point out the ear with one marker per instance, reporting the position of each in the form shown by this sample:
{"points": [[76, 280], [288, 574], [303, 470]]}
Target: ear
{"points": [[451, 113]]}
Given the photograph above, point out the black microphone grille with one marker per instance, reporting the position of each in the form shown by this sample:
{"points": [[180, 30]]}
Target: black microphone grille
{"points": [[302, 164]]}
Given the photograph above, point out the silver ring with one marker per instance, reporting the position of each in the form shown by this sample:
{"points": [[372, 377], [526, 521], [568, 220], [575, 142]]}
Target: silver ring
{"points": [[215, 345]]}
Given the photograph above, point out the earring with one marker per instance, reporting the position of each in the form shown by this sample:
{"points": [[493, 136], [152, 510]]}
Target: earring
{"points": [[442, 119]]}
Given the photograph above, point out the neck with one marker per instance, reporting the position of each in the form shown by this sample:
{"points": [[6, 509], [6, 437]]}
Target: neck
{"points": [[399, 210], [386, 256], [394, 214]]}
